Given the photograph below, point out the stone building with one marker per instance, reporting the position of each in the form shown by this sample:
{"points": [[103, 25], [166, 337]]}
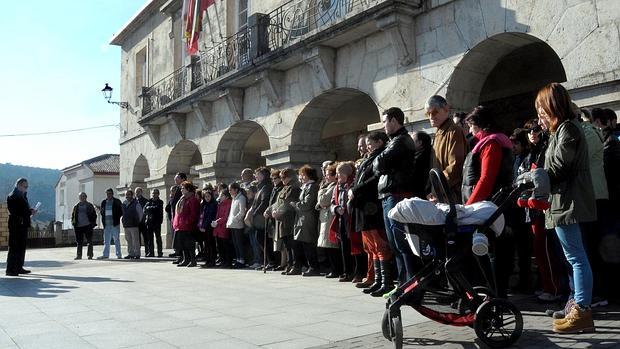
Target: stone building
{"points": [[282, 83], [92, 176]]}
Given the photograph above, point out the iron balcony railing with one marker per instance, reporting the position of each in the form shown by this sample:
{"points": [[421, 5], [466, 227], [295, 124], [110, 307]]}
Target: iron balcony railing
{"points": [[295, 19], [282, 27], [229, 55]]}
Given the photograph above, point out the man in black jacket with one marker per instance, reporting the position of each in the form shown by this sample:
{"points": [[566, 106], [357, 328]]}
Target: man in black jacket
{"points": [[153, 218], [396, 182], [84, 219], [111, 211], [142, 227], [19, 222]]}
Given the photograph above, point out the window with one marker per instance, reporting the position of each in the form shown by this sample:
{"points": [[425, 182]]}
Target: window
{"points": [[61, 197], [242, 14], [141, 71], [82, 187]]}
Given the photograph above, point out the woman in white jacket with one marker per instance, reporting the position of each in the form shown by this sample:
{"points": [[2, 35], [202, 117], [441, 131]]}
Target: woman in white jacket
{"points": [[235, 223]]}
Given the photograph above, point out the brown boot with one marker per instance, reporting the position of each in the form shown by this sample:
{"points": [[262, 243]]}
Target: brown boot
{"points": [[578, 320]]}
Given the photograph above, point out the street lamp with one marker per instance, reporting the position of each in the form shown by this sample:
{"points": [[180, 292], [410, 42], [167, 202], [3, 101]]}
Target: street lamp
{"points": [[107, 94]]}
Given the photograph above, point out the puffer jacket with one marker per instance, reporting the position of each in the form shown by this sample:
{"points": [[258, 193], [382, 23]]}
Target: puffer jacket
{"points": [[394, 165], [566, 162]]}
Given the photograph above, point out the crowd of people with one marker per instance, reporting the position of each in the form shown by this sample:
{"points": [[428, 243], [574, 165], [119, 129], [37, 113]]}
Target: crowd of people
{"points": [[335, 223]]}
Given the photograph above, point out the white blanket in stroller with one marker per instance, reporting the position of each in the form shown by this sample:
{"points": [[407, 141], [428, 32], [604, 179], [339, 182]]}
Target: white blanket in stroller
{"points": [[424, 212]]}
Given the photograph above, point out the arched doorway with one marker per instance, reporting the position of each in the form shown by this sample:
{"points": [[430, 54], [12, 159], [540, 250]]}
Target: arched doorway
{"points": [[504, 72], [331, 123], [140, 172], [240, 147], [182, 158]]}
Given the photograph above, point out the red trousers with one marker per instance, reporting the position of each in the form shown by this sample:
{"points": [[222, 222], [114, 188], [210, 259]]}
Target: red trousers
{"points": [[550, 265], [376, 245]]}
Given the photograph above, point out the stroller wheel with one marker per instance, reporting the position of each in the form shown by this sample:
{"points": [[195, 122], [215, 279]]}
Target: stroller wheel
{"points": [[397, 330], [498, 323], [385, 325]]}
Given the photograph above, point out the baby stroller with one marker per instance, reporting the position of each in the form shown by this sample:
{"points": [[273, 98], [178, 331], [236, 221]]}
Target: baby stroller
{"points": [[444, 248]]}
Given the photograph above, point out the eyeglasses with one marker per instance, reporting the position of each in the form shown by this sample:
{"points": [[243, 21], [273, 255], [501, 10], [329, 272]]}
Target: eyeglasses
{"points": [[535, 129]]}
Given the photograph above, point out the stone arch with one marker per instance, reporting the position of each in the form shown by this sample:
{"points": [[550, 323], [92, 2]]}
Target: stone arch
{"points": [[328, 127], [504, 72], [141, 171], [240, 147], [183, 158]]}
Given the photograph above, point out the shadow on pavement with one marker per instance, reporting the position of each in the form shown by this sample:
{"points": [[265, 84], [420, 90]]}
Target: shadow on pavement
{"points": [[45, 286], [41, 264]]}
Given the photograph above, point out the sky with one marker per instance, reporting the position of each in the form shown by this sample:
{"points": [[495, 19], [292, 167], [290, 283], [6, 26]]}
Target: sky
{"points": [[55, 60]]}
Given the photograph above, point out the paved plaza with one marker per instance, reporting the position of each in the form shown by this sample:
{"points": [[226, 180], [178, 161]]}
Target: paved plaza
{"points": [[153, 304]]}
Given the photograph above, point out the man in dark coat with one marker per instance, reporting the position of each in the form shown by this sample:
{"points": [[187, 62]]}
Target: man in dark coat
{"points": [[153, 218], [84, 219], [142, 227], [394, 166], [19, 222]]}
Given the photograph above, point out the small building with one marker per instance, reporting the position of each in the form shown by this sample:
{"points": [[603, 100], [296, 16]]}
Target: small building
{"points": [[92, 176]]}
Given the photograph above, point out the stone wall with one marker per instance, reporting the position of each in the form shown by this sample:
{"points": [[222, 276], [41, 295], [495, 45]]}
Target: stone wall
{"points": [[4, 226]]}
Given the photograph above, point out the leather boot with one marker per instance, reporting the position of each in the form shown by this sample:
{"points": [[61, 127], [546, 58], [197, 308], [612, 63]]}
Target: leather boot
{"points": [[577, 320], [378, 277], [387, 283]]}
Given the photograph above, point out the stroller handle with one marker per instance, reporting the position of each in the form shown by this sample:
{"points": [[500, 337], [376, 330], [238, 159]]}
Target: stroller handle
{"points": [[441, 190]]}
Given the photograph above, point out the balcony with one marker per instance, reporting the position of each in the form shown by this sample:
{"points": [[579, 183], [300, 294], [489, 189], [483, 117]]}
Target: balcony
{"points": [[289, 27]]}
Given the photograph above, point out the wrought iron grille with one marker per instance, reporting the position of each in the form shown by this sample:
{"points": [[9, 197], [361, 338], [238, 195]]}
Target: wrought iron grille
{"points": [[165, 91], [229, 55], [293, 20], [196, 72]]}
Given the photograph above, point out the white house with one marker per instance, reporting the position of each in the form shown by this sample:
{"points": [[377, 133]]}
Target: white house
{"points": [[92, 176]]}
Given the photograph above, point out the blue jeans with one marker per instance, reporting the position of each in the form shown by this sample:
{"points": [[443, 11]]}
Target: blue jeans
{"points": [[395, 232], [581, 277], [256, 241], [109, 232]]}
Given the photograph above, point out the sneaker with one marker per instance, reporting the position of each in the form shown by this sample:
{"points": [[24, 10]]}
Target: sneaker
{"points": [[599, 302], [256, 266], [538, 293], [103, 257], [560, 314], [547, 297]]}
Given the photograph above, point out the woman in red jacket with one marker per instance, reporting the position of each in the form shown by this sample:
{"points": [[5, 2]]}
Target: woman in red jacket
{"points": [[220, 232], [487, 169], [184, 223]]}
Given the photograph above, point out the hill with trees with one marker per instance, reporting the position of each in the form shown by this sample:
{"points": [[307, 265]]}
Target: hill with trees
{"points": [[41, 187]]}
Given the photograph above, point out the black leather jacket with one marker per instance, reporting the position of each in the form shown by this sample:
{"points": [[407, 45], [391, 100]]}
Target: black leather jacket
{"points": [[395, 165]]}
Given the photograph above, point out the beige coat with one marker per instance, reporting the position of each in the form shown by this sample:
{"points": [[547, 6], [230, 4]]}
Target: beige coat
{"points": [[450, 146], [325, 215]]}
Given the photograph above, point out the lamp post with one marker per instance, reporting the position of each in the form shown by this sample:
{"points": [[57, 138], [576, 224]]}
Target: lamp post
{"points": [[107, 94]]}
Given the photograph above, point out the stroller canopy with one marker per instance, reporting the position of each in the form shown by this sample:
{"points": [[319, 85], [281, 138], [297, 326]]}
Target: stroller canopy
{"points": [[423, 212]]}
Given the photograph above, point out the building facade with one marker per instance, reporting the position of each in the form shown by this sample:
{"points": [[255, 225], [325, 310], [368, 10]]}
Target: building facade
{"points": [[92, 176], [283, 83]]}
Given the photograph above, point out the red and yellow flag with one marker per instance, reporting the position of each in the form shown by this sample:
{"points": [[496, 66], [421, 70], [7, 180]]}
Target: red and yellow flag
{"points": [[192, 22]]}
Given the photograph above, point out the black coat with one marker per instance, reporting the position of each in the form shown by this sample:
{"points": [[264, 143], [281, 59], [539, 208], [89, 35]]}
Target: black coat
{"points": [[261, 201], [367, 210], [421, 169], [154, 212], [611, 163], [395, 165], [19, 211], [208, 211], [117, 211]]}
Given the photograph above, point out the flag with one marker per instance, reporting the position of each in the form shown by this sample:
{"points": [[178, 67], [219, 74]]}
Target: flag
{"points": [[192, 22]]}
